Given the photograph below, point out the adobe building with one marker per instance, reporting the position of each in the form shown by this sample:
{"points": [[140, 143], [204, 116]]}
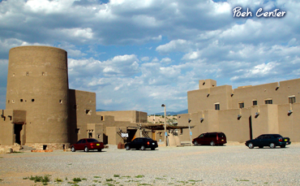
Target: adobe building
{"points": [[245, 112], [42, 112]]}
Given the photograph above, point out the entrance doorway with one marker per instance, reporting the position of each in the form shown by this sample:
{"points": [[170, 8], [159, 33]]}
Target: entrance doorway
{"points": [[17, 133], [131, 134], [250, 127]]}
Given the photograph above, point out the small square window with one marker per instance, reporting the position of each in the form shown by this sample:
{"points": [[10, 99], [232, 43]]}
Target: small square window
{"points": [[269, 101], [88, 112], [255, 102], [241, 105], [292, 99], [217, 106], [32, 100]]}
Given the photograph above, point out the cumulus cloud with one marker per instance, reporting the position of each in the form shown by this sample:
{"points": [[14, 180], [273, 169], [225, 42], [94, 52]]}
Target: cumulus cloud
{"points": [[192, 40]]}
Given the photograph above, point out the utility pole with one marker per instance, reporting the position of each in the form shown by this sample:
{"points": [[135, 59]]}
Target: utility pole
{"points": [[165, 124], [190, 131]]}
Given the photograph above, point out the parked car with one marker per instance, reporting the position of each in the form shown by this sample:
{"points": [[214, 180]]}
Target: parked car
{"points": [[141, 143], [210, 138], [87, 144], [271, 140]]}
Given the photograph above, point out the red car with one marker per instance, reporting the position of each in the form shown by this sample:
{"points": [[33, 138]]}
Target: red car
{"points": [[87, 144], [210, 138]]}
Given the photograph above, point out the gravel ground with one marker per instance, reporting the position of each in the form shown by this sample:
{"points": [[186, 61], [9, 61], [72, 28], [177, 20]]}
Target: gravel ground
{"points": [[191, 165]]}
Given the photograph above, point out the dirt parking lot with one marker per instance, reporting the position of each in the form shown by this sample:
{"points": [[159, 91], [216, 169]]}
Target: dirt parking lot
{"points": [[191, 165]]}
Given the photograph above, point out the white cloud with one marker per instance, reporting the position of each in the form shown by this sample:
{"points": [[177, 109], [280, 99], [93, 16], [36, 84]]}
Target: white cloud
{"points": [[192, 39], [165, 60], [146, 58]]}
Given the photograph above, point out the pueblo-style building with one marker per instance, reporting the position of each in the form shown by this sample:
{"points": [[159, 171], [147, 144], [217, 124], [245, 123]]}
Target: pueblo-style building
{"points": [[245, 112], [42, 112]]}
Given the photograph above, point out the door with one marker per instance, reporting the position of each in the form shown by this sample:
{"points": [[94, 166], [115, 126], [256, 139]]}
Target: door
{"points": [[17, 133]]}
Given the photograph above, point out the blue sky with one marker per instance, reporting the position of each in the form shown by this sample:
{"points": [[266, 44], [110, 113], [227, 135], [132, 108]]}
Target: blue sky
{"points": [[137, 55]]}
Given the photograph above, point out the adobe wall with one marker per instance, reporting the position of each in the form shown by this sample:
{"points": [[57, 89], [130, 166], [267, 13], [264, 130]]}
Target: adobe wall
{"points": [[37, 82], [128, 115], [205, 99], [210, 123], [6, 127], [289, 124], [83, 111], [235, 128]]}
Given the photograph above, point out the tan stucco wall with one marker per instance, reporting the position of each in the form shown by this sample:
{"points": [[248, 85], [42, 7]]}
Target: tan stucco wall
{"points": [[199, 100], [132, 116], [7, 127], [273, 118], [289, 124], [83, 113], [37, 82]]}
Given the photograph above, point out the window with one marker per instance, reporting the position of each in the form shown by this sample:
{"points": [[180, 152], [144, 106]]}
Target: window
{"points": [[32, 100], [102, 118], [292, 99], [217, 106], [269, 101], [255, 102], [88, 112], [241, 105], [21, 100]]}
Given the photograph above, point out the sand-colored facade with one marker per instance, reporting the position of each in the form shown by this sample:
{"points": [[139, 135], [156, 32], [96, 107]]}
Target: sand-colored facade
{"points": [[42, 112], [245, 112]]}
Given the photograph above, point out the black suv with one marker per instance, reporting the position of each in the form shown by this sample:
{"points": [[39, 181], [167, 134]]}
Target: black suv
{"points": [[210, 138], [142, 143], [271, 140]]}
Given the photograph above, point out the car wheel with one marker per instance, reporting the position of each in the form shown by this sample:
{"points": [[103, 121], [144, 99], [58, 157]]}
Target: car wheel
{"points": [[99, 150], [152, 148], [282, 146], [261, 147], [250, 145], [127, 147], [143, 147], [212, 143], [86, 149], [73, 149], [272, 145], [195, 143]]}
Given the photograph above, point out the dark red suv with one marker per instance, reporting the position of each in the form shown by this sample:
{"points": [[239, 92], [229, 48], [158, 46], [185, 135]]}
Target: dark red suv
{"points": [[210, 138]]}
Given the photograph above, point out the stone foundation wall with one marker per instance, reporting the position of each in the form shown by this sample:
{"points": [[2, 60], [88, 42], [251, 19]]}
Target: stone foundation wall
{"points": [[9, 148], [49, 146]]}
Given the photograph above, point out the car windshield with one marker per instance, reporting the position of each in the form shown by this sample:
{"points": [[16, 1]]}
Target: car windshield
{"points": [[92, 140], [221, 135]]}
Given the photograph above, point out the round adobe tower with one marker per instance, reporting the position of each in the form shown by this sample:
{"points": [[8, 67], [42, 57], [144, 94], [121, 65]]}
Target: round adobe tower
{"points": [[37, 82]]}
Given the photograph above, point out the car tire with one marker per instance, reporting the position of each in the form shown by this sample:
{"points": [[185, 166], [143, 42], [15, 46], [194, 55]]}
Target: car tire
{"points": [[143, 147], [86, 149], [196, 143], [152, 148], [73, 149], [127, 147], [272, 145], [261, 147], [212, 143], [250, 145], [282, 146], [99, 150]]}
